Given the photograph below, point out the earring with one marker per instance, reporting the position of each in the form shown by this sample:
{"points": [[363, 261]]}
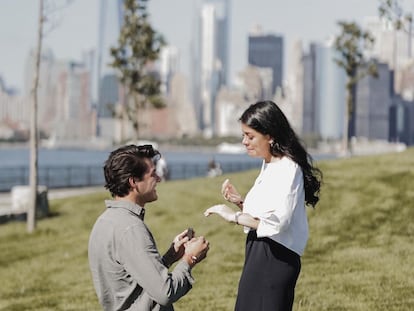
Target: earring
{"points": [[272, 143]]}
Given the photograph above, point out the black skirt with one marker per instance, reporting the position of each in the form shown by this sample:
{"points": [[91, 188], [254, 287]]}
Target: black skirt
{"points": [[269, 276]]}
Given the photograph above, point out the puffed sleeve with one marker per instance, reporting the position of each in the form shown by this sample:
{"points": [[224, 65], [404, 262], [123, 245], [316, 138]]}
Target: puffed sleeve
{"points": [[279, 199]]}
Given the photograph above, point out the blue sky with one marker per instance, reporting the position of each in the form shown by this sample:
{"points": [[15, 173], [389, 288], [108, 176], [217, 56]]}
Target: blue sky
{"points": [[76, 26]]}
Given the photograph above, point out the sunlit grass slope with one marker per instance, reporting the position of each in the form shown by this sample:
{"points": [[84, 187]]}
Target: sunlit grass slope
{"points": [[359, 257]]}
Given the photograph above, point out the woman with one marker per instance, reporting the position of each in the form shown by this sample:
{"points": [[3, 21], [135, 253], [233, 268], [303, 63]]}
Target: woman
{"points": [[273, 212]]}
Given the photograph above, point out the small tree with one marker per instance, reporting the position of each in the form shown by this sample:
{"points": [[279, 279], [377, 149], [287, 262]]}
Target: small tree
{"points": [[138, 47], [351, 44], [33, 178], [45, 10], [392, 11]]}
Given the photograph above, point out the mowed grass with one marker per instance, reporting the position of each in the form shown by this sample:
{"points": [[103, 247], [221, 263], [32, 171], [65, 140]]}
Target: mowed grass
{"points": [[359, 256]]}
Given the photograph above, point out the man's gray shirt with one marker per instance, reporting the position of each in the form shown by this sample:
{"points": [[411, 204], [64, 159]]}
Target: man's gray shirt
{"points": [[127, 270]]}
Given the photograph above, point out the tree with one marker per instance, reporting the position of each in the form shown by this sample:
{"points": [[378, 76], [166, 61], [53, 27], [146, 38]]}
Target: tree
{"points": [[351, 44], [138, 47], [33, 180], [34, 130], [391, 11]]}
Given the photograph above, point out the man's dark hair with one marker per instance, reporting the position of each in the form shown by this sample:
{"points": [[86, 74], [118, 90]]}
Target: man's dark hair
{"points": [[124, 163]]}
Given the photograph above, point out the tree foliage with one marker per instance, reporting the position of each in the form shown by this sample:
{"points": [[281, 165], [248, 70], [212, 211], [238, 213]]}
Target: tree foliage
{"points": [[392, 11], [351, 44], [138, 47]]}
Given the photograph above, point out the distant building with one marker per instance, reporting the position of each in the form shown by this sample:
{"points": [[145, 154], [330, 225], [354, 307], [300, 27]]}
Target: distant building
{"points": [[210, 62], [106, 88], [184, 113], [331, 94], [230, 105], [266, 50], [73, 116], [64, 98], [254, 83], [46, 93], [293, 89], [169, 64], [251, 85], [323, 93], [14, 115], [386, 40], [177, 119], [310, 91], [402, 121], [108, 96], [373, 102]]}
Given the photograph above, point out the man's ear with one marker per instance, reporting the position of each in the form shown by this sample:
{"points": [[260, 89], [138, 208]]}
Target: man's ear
{"points": [[131, 181]]}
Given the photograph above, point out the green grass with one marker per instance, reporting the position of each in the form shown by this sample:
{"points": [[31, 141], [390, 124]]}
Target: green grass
{"points": [[359, 256]]}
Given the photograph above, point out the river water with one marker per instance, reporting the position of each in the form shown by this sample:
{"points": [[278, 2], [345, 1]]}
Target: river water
{"points": [[83, 167]]}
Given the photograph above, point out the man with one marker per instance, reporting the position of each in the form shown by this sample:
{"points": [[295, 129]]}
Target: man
{"points": [[127, 270]]}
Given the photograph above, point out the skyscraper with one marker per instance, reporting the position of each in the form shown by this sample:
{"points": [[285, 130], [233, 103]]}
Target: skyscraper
{"points": [[324, 93], [309, 125], [266, 50], [331, 93], [106, 83], [169, 64], [373, 102], [210, 60], [222, 37]]}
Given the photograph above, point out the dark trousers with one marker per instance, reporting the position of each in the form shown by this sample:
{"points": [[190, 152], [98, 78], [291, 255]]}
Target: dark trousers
{"points": [[269, 276]]}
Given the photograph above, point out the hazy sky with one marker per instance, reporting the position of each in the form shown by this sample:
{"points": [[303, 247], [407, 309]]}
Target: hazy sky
{"points": [[77, 26]]}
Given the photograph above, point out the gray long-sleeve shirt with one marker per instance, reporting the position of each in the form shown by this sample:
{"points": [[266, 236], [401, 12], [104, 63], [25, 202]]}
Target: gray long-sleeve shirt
{"points": [[127, 270]]}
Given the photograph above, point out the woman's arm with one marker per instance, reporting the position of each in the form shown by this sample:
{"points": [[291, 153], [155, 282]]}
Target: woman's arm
{"points": [[229, 215]]}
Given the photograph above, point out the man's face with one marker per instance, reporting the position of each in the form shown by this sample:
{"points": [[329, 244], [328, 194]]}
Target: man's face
{"points": [[146, 188]]}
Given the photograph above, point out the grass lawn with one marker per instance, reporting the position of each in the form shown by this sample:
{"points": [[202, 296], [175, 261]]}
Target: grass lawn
{"points": [[359, 256]]}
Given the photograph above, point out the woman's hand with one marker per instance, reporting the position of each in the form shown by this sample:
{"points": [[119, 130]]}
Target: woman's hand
{"points": [[230, 193], [222, 210]]}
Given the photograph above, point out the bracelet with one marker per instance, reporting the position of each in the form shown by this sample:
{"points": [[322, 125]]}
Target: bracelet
{"points": [[236, 217]]}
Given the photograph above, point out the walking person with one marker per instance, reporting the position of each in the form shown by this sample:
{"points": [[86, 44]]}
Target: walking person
{"points": [[273, 212], [161, 168], [128, 271]]}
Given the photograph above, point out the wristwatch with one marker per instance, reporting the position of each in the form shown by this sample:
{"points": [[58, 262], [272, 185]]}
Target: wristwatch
{"points": [[236, 217]]}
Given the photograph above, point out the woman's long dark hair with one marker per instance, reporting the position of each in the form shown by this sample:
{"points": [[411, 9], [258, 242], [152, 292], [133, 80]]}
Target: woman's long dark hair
{"points": [[266, 118]]}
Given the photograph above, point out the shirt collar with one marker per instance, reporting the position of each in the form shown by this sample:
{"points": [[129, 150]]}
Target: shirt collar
{"points": [[130, 206]]}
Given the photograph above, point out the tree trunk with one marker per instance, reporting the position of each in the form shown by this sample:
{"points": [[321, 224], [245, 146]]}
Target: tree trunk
{"points": [[31, 213], [347, 117]]}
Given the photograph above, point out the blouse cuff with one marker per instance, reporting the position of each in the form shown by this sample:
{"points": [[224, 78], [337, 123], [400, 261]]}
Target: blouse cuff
{"points": [[266, 229]]}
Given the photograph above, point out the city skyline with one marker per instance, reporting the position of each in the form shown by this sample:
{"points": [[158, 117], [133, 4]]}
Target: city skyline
{"points": [[77, 27]]}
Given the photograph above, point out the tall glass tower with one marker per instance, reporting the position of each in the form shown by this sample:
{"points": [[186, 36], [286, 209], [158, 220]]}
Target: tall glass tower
{"points": [[210, 60], [266, 50], [106, 83]]}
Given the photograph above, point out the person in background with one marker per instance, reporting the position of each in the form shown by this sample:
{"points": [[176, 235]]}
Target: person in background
{"points": [[127, 270], [214, 168], [273, 212], [162, 168]]}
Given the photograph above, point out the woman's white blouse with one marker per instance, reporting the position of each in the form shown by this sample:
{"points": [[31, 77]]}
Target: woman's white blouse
{"points": [[277, 199]]}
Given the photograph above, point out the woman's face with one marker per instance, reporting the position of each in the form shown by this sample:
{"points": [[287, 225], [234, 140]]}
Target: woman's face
{"points": [[257, 145]]}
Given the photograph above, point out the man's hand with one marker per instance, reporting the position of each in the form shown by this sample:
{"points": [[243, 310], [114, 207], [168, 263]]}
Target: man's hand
{"points": [[177, 249], [196, 250]]}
